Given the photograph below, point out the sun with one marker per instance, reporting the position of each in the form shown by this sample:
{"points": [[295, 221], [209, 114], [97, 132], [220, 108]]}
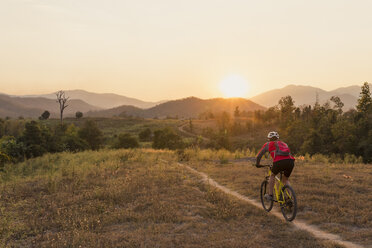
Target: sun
{"points": [[234, 86]]}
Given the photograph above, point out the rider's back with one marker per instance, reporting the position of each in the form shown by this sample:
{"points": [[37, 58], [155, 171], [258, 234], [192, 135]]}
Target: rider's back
{"points": [[279, 150]]}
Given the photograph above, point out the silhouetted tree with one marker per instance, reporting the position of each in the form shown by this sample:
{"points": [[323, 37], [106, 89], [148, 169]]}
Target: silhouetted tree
{"points": [[224, 121], [62, 100], [45, 115], [338, 103], [286, 106], [236, 111], [191, 126], [364, 101], [78, 115]]}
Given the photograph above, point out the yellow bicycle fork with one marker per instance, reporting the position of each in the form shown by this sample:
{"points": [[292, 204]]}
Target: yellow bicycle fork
{"points": [[278, 185]]}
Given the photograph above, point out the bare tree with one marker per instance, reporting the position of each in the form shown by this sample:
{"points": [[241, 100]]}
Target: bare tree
{"points": [[62, 100]]}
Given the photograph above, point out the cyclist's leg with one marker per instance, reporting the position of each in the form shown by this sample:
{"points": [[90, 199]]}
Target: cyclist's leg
{"points": [[271, 184], [287, 171], [277, 167], [285, 180]]}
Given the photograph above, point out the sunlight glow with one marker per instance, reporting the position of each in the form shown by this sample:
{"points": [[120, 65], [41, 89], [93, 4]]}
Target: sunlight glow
{"points": [[234, 86]]}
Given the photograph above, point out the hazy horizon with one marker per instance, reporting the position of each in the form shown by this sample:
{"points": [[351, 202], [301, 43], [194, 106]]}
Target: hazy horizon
{"points": [[167, 50], [159, 100]]}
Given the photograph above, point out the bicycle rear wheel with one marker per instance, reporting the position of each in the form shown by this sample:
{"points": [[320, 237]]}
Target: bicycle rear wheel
{"points": [[289, 207], [267, 205]]}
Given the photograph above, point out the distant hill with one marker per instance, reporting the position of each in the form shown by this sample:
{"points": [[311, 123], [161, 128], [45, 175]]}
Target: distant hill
{"points": [[124, 110], [307, 95], [35, 106], [183, 108], [102, 100]]}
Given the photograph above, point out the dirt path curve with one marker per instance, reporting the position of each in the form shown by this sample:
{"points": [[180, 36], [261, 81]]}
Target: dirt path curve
{"points": [[297, 223], [180, 127]]}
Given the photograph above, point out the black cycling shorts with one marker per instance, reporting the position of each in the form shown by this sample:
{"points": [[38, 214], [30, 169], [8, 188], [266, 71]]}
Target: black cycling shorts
{"points": [[285, 165]]}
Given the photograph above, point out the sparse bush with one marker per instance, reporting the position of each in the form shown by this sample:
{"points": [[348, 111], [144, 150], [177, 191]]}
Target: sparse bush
{"points": [[145, 135], [74, 143], [335, 158], [184, 154], [223, 156], [91, 134], [167, 138], [13, 149], [3, 159], [352, 159], [220, 140], [126, 141], [319, 158]]}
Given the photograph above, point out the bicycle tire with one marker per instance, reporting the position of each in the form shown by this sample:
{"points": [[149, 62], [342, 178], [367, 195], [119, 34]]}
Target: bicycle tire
{"points": [[265, 204], [289, 207]]}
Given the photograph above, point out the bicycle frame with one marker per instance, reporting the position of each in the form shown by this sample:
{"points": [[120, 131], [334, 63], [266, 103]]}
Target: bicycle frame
{"points": [[286, 198], [278, 185]]}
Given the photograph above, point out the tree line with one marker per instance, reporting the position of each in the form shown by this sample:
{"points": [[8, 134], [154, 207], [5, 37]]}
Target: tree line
{"points": [[309, 129], [23, 139]]}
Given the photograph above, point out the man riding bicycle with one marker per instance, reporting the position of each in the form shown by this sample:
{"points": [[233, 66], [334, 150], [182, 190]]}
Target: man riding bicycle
{"points": [[282, 160]]}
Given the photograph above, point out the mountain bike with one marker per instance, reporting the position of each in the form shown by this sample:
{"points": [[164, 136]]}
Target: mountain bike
{"points": [[283, 194]]}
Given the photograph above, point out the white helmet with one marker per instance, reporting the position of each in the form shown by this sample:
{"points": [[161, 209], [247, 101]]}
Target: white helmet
{"points": [[273, 134]]}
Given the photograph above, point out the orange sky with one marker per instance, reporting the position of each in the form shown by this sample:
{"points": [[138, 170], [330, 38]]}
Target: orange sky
{"points": [[167, 49]]}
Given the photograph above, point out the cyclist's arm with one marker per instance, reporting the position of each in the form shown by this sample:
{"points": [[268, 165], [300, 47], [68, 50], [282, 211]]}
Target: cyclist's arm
{"points": [[264, 149]]}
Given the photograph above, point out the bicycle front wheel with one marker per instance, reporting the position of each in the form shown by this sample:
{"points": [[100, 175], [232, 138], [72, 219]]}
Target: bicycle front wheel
{"points": [[267, 205], [289, 205]]}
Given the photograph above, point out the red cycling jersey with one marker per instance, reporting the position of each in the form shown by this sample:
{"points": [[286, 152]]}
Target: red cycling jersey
{"points": [[275, 148]]}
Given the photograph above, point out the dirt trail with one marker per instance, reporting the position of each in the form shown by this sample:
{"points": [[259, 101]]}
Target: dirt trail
{"points": [[180, 128], [297, 223]]}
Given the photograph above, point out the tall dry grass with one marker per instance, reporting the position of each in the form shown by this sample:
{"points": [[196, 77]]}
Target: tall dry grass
{"points": [[335, 197], [128, 198]]}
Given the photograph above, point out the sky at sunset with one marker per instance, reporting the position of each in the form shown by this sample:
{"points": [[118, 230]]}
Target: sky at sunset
{"points": [[168, 49]]}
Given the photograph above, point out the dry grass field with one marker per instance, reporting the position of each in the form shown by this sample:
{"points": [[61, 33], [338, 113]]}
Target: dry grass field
{"points": [[135, 198], [335, 197]]}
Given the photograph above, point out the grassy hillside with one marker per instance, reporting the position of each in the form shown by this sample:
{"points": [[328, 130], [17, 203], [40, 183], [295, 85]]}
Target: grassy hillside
{"points": [[334, 197], [111, 127], [128, 198]]}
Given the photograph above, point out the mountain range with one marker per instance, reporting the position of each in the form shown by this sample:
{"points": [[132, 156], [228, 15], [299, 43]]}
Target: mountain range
{"points": [[189, 107], [108, 104], [307, 95], [101, 100], [35, 106]]}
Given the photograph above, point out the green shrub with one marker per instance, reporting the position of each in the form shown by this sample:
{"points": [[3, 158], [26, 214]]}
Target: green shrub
{"points": [[73, 143], [3, 159], [91, 134], [37, 139], [352, 159], [15, 150], [145, 135], [319, 158], [335, 158], [167, 139], [126, 140]]}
